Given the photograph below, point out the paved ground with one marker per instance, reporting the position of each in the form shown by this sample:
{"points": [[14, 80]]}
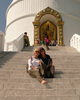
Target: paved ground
{"points": [[16, 84]]}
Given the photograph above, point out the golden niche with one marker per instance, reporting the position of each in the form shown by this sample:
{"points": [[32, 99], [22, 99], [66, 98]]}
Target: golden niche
{"points": [[54, 32], [49, 29]]}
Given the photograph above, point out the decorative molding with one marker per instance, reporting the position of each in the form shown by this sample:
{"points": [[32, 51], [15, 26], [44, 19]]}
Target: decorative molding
{"points": [[48, 10], [12, 4], [17, 19]]}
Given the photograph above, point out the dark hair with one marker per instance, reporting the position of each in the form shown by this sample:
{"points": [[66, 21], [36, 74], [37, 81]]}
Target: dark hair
{"points": [[41, 49], [25, 32]]}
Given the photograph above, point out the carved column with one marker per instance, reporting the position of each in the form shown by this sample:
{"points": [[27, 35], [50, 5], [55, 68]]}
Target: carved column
{"points": [[36, 32], [60, 33]]}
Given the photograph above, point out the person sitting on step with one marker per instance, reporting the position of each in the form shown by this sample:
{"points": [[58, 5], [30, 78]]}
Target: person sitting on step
{"points": [[49, 69], [36, 68]]}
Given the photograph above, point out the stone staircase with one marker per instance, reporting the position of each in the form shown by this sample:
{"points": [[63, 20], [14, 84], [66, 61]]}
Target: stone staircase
{"points": [[16, 84]]}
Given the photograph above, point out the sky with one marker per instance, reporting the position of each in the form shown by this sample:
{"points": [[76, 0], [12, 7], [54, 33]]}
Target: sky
{"points": [[3, 7]]}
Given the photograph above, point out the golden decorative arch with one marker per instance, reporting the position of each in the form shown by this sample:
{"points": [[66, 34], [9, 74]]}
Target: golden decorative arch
{"points": [[60, 23]]}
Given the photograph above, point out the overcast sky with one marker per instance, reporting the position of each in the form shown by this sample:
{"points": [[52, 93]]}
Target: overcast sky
{"points": [[3, 6]]}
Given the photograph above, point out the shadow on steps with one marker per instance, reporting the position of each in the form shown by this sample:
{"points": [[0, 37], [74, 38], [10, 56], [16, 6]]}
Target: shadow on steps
{"points": [[58, 74], [5, 57], [29, 48]]}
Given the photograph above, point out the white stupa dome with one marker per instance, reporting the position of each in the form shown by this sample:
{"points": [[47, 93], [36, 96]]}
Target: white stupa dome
{"points": [[19, 8], [21, 14]]}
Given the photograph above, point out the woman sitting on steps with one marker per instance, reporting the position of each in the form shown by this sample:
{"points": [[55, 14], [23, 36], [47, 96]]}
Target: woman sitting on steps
{"points": [[49, 69], [36, 67]]}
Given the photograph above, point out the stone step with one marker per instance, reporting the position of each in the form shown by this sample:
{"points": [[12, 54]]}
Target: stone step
{"points": [[16, 84], [39, 92], [40, 98]]}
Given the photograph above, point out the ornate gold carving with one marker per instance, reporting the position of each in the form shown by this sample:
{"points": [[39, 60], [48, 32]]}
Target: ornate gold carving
{"points": [[59, 25], [48, 10], [36, 23], [50, 29]]}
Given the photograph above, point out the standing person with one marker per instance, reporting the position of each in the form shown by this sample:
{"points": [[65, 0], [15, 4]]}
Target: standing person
{"points": [[36, 67], [49, 68], [47, 41], [26, 40]]}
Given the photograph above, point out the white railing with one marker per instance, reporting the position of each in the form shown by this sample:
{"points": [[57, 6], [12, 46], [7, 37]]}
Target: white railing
{"points": [[16, 45], [75, 42]]}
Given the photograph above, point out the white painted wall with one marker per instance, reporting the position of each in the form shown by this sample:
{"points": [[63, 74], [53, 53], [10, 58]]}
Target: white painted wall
{"points": [[27, 7], [71, 26], [19, 27], [15, 45]]}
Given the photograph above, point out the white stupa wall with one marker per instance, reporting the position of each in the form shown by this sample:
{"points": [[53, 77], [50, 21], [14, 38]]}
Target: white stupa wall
{"points": [[27, 7], [23, 25], [71, 26], [21, 14], [19, 27]]}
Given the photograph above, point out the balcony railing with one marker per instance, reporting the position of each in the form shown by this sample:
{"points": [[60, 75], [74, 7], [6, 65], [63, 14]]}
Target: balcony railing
{"points": [[75, 42], [16, 45]]}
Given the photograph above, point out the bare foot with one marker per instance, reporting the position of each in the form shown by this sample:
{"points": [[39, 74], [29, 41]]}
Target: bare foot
{"points": [[43, 82]]}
